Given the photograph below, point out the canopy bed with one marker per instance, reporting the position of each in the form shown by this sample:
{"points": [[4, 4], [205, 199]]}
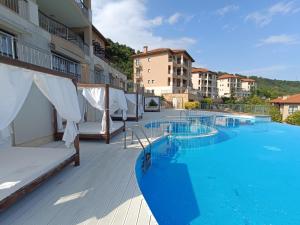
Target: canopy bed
{"points": [[97, 103], [23, 169], [135, 104]]}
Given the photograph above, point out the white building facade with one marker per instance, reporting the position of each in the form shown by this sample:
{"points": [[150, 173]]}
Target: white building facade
{"points": [[205, 82], [229, 86]]}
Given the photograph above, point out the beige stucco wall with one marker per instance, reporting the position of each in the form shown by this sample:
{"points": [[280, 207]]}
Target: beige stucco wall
{"points": [[155, 73], [158, 66], [178, 100], [284, 109]]}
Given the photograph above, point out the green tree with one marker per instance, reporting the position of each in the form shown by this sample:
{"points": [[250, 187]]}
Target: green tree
{"points": [[294, 119], [275, 114], [121, 57]]}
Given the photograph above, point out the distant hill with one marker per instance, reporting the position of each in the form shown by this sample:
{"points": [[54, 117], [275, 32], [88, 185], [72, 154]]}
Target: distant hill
{"points": [[272, 88]]}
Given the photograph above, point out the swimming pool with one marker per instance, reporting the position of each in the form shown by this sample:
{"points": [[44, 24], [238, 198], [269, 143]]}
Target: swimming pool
{"points": [[242, 175]]}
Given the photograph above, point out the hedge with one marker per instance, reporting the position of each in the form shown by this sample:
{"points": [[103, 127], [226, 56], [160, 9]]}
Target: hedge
{"points": [[191, 105], [294, 119]]}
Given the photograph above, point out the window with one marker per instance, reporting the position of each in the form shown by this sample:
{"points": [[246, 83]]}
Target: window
{"points": [[149, 70], [152, 81], [293, 108], [169, 69], [7, 45], [169, 81], [148, 81]]}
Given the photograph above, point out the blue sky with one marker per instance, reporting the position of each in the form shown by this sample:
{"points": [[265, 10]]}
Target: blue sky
{"points": [[250, 37]]}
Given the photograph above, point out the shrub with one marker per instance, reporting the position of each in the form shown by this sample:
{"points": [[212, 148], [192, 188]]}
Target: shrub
{"points": [[275, 114], [152, 103], [207, 101], [294, 119], [191, 105]]}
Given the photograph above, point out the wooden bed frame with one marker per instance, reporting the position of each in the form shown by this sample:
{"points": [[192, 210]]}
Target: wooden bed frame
{"points": [[140, 91], [20, 193], [107, 135]]}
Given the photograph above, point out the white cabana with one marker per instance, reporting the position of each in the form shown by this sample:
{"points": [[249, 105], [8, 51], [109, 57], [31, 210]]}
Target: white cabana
{"points": [[97, 104], [15, 85], [22, 169], [117, 101], [135, 107]]}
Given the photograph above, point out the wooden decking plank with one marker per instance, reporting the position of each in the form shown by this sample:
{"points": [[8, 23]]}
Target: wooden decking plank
{"points": [[121, 211], [98, 181]]}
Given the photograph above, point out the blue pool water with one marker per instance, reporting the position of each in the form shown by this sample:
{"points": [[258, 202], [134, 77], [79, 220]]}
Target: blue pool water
{"points": [[243, 175]]}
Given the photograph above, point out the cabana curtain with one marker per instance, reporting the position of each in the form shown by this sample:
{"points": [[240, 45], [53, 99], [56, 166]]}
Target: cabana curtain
{"points": [[15, 84], [96, 97], [131, 98], [14, 89]]}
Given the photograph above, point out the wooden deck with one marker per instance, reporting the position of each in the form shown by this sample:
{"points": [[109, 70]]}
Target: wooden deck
{"points": [[103, 190]]}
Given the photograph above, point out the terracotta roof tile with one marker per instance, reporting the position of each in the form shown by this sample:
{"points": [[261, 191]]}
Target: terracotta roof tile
{"points": [[162, 50], [226, 76], [247, 80], [292, 99], [199, 70]]}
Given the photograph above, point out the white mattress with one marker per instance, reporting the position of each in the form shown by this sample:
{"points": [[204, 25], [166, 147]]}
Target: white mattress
{"points": [[95, 127], [20, 166]]}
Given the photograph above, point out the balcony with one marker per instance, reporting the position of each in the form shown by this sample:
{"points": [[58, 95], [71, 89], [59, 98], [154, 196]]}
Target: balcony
{"points": [[60, 30], [73, 13], [99, 51], [12, 48], [18, 6], [82, 7]]}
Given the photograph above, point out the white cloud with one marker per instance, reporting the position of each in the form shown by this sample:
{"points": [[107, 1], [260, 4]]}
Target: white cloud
{"points": [[125, 21], [157, 21], [280, 39], [227, 9], [174, 18], [265, 17]]}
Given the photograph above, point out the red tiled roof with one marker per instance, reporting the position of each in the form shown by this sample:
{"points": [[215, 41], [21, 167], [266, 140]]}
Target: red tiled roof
{"points": [[199, 70], [162, 50], [247, 80], [226, 76], [292, 99]]}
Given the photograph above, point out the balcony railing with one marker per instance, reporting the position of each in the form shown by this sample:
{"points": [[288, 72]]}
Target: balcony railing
{"points": [[64, 65], [18, 6], [13, 48], [60, 30], [83, 7]]}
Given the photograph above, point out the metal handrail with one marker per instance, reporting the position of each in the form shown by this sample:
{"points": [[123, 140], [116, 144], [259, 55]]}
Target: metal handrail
{"points": [[137, 136], [147, 156]]}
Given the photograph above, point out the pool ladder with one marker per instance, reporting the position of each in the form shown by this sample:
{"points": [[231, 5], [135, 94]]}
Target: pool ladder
{"points": [[146, 155]]}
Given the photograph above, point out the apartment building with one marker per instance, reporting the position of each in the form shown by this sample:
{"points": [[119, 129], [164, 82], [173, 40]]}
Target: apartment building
{"points": [[44, 33], [248, 85], [58, 36], [103, 71], [229, 86], [205, 82], [163, 71]]}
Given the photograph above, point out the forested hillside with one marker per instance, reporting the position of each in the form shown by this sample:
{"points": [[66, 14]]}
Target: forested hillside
{"points": [[272, 88], [120, 57]]}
